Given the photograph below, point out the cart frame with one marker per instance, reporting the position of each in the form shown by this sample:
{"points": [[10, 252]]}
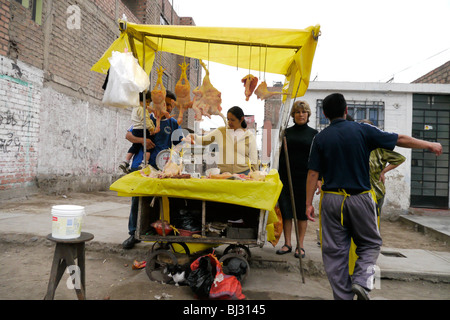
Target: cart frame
{"points": [[258, 241]]}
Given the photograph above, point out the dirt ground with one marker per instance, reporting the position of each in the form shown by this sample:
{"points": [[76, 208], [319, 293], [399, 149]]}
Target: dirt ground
{"points": [[25, 268]]}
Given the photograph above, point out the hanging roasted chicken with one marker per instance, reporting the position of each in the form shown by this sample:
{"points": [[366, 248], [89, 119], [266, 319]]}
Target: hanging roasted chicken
{"points": [[207, 99], [263, 93], [158, 95], [183, 93]]}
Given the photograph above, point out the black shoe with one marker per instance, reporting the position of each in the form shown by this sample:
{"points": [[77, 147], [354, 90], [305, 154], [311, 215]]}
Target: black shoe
{"points": [[130, 242], [361, 293], [303, 254], [280, 251]]}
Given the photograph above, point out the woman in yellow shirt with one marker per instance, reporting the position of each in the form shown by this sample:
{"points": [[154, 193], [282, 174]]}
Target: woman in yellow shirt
{"points": [[237, 144]]}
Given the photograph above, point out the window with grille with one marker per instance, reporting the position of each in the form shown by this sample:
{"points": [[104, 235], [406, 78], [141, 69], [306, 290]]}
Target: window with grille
{"points": [[358, 110], [36, 9]]}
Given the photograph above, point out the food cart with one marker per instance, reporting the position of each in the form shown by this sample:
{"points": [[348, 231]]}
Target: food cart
{"points": [[282, 51], [232, 212]]}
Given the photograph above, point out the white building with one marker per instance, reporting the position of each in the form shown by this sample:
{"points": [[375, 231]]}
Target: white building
{"points": [[420, 110]]}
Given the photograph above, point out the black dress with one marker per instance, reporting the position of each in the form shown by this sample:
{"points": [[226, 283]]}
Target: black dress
{"points": [[299, 139]]}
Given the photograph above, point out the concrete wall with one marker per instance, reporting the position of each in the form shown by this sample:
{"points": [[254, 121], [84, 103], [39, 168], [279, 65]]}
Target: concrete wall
{"points": [[80, 144]]}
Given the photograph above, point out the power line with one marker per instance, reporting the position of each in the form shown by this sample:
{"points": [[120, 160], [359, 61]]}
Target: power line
{"points": [[415, 64]]}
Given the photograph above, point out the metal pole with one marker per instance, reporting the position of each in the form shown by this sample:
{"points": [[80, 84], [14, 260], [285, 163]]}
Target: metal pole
{"points": [[144, 158], [294, 212], [144, 105]]}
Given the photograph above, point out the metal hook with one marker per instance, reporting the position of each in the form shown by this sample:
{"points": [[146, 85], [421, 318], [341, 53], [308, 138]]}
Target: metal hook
{"points": [[250, 59], [237, 57], [209, 42]]}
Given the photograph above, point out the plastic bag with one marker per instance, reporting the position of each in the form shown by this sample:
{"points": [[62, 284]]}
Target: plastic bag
{"points": [[236, 267], [278, 227], [207, 280], [125, 80], [201, 278], [190, 220]]}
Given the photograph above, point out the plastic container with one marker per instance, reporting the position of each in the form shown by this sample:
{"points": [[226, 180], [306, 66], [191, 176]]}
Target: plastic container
{"points": [[158, 227], [188, 233], [66, 221]]}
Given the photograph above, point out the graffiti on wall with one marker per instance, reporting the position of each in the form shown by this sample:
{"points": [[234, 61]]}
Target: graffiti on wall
{"points": [[10, 142], [13, 120], [73, 142]]}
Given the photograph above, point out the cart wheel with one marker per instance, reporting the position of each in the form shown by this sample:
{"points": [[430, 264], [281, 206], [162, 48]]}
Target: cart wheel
{"points": [[183, 245], [157, 262], [226, 259], [239, 249]]}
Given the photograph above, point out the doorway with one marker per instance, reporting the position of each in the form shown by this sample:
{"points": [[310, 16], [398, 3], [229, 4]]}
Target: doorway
{"points": [[430, 174]]}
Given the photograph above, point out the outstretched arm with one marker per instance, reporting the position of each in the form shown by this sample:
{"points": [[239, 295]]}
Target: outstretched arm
{"points": [[413, 143]]}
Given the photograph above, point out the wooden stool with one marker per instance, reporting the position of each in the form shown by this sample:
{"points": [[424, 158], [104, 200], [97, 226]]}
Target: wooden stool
{"points": [[66, 251]]}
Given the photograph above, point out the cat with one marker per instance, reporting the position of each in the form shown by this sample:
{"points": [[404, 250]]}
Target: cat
{"points": [[178, 273]]}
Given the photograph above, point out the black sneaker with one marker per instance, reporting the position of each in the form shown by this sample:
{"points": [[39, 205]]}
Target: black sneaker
{"points": [[124, 166], [130, 242], [361, 293]]}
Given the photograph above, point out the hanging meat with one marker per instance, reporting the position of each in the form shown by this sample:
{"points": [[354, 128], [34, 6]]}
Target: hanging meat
{"points": [[207, 99], [250, 82], [263, 93], [198, 105], [158, 95], [183, 93]]}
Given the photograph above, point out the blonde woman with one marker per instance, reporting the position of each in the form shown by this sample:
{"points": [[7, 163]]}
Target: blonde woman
{"points": [[299, 138]]}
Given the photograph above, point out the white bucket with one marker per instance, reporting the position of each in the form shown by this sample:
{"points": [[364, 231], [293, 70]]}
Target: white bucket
{"points": [[66, 221]]}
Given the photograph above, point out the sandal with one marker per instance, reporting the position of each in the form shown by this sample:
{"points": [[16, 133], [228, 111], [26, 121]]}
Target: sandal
{"points": [[289, 249], [303, 254]]}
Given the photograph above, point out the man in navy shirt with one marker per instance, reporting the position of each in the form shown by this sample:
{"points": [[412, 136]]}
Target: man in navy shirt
{"points": [[341, 154]]}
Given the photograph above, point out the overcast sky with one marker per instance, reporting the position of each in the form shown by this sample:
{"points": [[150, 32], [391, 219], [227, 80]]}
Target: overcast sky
{"points": [[361, 41]]}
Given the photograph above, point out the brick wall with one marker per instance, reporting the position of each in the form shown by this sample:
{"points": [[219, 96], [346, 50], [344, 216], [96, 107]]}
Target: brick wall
{"points": [[25, 36], [5, 17], [20, 100], [55, 133], [272, 108], [439, 75]]}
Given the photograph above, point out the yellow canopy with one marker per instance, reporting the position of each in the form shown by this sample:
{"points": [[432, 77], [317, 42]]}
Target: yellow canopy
{"points": [[288, 52]]}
